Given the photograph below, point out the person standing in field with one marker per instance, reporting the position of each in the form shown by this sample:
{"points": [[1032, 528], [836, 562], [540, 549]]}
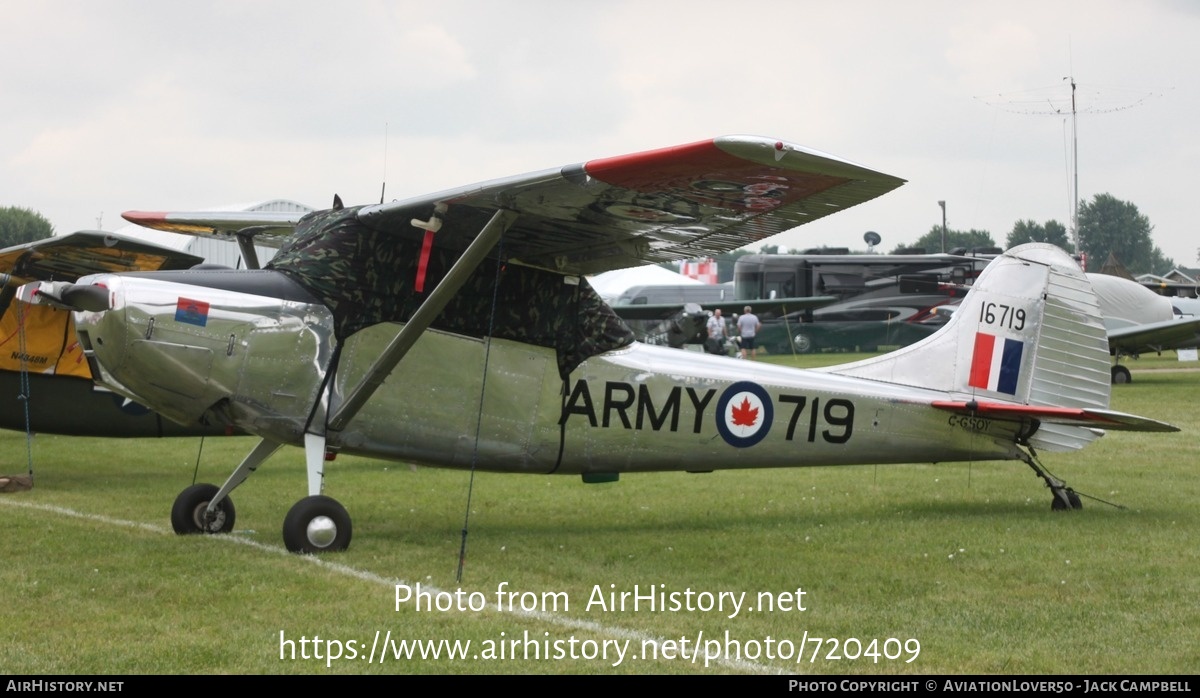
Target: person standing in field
{"points": [[715, 343], [748, 327]]}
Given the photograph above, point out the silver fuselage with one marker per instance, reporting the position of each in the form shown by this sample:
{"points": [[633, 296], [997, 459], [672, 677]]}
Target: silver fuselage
{"points": [[260, 363]]}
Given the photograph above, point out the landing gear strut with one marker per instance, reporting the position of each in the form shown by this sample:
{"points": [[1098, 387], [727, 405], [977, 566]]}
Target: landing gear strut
{"points": [[1064, 498]]}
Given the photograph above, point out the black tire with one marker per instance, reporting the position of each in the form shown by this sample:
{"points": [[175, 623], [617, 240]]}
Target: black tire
{"points": [[1121, 375], [188, 512], [803, 343], [1073, 501], [316, 524]]}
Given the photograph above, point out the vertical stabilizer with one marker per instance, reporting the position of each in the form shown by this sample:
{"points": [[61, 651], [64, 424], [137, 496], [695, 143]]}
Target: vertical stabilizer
{"points": [[1029, 332]]}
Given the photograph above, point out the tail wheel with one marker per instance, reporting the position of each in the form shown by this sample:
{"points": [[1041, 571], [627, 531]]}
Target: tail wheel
{"points": [[1073, 501], [190, 512], [316, 524]]}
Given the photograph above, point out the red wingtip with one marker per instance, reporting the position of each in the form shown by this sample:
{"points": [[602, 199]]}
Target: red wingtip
{"points": [[144, 217]]}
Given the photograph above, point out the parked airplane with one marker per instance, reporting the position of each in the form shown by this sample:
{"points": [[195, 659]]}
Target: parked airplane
{"points": [[1140, 321], [456, 330], [45, 384]]}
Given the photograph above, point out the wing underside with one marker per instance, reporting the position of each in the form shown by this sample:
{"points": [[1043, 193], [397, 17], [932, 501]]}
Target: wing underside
{"points": [[41, 337], [268, 228], [68, 257], [689, 201], [1157, 336], [677, 203]]}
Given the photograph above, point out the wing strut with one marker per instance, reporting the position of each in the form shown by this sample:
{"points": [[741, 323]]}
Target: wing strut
{"points": [[420, 321], [249, 254], [249, 464]]}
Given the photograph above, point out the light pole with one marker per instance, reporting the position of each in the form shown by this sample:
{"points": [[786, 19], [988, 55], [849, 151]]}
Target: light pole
{"points": [[943, 205]]}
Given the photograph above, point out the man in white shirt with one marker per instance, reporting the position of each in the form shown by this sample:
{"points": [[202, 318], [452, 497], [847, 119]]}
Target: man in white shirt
{"points": [[716, 333]]}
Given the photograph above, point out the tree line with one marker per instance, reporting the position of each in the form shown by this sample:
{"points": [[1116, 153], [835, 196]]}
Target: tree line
{"points": [[1107, 226], [21, 225]]}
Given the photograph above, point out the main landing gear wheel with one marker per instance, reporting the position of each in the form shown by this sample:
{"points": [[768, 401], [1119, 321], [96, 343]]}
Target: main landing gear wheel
{"points": [[190, 512], [1121, 375], [316, 524]]}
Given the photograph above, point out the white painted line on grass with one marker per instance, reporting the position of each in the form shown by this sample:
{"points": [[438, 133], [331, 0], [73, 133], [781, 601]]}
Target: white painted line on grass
{"points": [[366, 576]]}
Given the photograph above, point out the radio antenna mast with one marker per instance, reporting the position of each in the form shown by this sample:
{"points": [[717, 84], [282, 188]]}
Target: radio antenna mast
{"points": [[1036, 102], [1075, 172]]}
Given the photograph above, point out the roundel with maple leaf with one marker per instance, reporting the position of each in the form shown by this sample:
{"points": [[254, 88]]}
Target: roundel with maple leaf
{"points": [[744, 414]]}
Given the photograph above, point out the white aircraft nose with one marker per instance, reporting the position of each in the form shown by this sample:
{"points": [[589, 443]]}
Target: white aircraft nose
{"points": [[63, 294], [200, 353]]}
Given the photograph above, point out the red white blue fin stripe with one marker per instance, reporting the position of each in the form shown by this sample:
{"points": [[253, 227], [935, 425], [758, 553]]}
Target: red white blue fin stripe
{"points": [[996, 363]]}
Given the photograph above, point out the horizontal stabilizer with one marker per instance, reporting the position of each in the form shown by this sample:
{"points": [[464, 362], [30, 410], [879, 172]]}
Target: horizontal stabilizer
{"points": [[1071, 416]]}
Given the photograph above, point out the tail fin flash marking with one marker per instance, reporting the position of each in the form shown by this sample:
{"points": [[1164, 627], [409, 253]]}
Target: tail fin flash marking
{"points": [[996, 363]]}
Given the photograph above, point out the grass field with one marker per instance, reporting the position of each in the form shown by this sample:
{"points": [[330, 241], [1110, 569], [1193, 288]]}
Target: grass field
{"points": [[965, 560]]}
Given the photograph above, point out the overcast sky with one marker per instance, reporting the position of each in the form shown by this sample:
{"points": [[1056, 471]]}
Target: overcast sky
{"points": [[112, 106]]}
